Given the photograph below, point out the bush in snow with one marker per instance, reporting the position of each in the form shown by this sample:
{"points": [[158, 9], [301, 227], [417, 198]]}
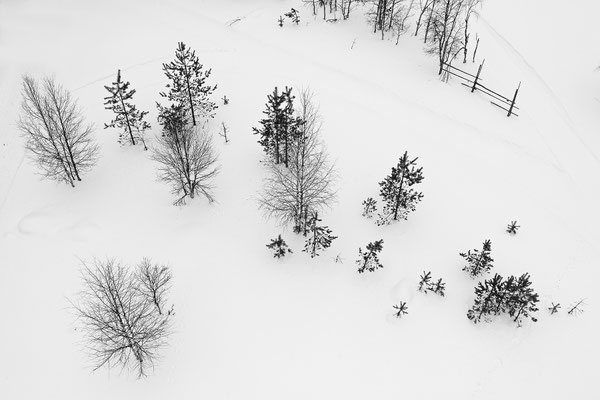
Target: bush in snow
{"points": [[397, 192], [512, 228], [554, 308], [401, 309], [427, 285], [186, 157], [128, 118], [56, 136], [279, 247], [369, 207], [478, 261], [319, 237], [188, 86], [513, 296], [124, 314], [369, 260], [294, 15]]}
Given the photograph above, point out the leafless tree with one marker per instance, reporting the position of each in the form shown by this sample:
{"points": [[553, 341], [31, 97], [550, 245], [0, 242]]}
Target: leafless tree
{"points": [[424, 5], [122, 314], [447, 32], [223, 132], [390, 16], [187, 161], [292, 194], [470, 9], [155, 282], [56, 136]]}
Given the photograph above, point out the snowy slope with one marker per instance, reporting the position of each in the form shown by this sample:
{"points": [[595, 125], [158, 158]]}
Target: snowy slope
{"points": [[251, 327]]}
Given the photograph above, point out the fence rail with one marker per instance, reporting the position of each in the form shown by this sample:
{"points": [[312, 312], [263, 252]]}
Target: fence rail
{"points": [[473, 82]]}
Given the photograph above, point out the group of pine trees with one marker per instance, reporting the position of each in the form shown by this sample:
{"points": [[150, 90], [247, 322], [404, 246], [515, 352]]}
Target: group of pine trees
{"points": [[300, 178], [513, 296], [495, 296]]}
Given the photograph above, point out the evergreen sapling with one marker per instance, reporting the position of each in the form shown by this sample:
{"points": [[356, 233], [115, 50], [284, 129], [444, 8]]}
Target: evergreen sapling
{"points": [[279, 247], [401, 309], [319, 237], [369, 207], [128, 118], [397, 191], [188, 85], [478, 261], [369, 260]]}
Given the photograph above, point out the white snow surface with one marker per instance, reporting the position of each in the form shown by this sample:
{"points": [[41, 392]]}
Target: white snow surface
{"points": [[248, 326]]}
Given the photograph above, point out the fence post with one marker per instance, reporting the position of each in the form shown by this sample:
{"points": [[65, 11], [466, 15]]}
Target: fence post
{"points": [[512, 104], [477, 77]]}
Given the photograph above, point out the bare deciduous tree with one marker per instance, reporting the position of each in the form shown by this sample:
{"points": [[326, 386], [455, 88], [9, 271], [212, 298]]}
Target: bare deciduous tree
{"points": [[121, 313], [187, 160], [292, 194], [447, 27], [56, 136], [470, 9]]}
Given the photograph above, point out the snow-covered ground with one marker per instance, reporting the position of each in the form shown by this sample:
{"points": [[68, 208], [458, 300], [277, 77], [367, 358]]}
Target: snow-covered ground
{"points": [[248, 326]]}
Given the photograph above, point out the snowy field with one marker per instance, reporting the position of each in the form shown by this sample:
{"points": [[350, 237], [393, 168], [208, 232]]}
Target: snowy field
{"points": [[248, 326]]}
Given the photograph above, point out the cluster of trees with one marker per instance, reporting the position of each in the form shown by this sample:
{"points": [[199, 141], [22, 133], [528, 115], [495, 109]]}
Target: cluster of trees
{"points": [[513, 296], [427, 284], [61, 143], [332, 7], [445, 24], [300, 178], [124, 313]]}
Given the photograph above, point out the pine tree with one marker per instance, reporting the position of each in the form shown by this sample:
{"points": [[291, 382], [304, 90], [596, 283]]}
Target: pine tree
{"points": [[188, 84], [427, 285], [280, 127], [425, 282], [397, 192], [128, 117], [294, 15], [319, 237], [401, 309], [497, 296], [479, 262], [369, 260], [522, 300], [369, 207], [512, 228], [279, 247]]}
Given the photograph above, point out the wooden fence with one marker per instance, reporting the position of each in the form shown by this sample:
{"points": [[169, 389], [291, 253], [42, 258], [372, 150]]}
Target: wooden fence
{"points": [[473, 82]]}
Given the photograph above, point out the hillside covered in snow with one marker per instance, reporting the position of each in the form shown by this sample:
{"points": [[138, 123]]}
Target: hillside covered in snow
{"points": [[250, 326]]}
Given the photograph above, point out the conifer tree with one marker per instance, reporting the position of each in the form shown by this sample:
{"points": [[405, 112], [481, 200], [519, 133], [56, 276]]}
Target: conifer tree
{"points": [[280, 127], [279, 247], [497, 296], [479, 261], [401, 309], [128, 117], [188, 84], [294, 15], [397, 190], [369, 260], [369, 207], [319, 237]]}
